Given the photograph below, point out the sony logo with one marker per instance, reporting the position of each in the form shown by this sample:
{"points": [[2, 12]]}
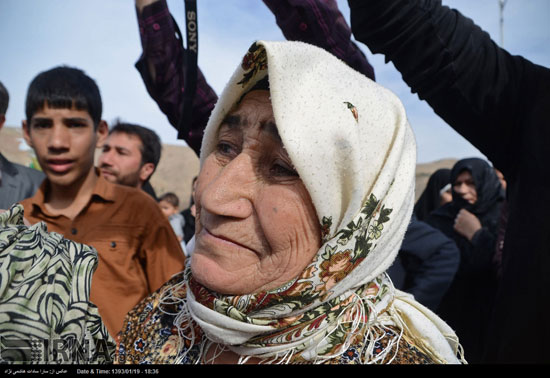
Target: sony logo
{"points": [[192, 31]]}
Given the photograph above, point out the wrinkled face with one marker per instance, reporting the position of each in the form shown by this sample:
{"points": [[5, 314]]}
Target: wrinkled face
{"points": [[64, 141], [120, 160], [256, 227], [464, 186]]}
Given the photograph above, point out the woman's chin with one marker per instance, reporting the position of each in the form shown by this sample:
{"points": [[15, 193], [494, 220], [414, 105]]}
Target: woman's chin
{"points": [[212, 275]]}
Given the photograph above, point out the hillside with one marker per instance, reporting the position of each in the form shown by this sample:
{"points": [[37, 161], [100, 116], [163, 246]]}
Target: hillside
{"points": [[178, 165]]}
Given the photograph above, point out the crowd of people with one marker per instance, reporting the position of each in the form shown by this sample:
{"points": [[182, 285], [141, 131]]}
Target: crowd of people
{"points": [[302, 242]]}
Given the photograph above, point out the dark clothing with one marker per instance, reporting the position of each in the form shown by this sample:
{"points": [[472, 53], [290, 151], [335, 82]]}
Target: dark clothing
{"points": [[17, 182], [468, 304], [163, 52], [148, 188], [319, 23], [426, 264], [501, 234], [430, 199], [500, 103], [189, 226], [478, 253]]}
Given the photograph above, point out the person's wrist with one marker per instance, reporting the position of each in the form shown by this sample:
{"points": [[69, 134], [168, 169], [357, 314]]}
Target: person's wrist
{"points": [[140, 4], [475, 235]]}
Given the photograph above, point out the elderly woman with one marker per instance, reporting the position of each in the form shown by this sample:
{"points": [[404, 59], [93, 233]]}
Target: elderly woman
{"points": [[305, 192]]}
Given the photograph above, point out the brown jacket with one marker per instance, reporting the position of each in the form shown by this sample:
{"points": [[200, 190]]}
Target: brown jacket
{"points": [[138, 250]]}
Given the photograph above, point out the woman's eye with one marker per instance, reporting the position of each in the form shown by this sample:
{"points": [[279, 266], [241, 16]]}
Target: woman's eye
{"points": [[224, 148], [282, 170]]}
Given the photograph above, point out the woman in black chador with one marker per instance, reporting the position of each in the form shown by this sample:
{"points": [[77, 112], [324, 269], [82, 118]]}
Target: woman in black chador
{"points": [[471, 220]]}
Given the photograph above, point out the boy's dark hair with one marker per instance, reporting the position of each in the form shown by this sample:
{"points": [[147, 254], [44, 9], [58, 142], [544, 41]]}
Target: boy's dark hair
{"points": [[64, 88], [4, 99], [171, 198], [151, 147]]}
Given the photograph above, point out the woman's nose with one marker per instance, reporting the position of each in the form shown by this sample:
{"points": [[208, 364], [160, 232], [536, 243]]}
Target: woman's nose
{"points": [[231, 191]]}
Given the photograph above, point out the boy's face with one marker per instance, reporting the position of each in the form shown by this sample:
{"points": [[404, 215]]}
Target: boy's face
{"points": [[167, 208], [64, 141]]}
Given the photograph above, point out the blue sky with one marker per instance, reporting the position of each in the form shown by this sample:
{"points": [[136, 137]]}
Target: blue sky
{"points": [[101, 37]]}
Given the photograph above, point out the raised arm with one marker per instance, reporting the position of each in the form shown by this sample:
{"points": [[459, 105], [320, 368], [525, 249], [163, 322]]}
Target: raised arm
{"points": [[161, 67], [319, 23], [475, 86], [498, 102]]}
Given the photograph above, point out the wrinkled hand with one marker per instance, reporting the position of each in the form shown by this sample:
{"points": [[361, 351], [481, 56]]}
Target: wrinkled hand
{"points": [[466, 224]]}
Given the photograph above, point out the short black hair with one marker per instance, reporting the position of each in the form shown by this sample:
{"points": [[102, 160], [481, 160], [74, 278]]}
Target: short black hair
{"points": [[171, 198], [64, 88], [151, 146], [4, 99]]}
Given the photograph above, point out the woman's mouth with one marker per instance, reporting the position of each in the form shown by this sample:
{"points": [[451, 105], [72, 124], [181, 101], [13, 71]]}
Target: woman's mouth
{"points": [[222, 240]]}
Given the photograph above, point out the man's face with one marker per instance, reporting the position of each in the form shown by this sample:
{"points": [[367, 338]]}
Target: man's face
{"points": [[120, 160], [64, 141]]}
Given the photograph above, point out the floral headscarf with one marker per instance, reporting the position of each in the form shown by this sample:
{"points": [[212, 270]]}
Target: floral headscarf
{"points": [[351, 144]]}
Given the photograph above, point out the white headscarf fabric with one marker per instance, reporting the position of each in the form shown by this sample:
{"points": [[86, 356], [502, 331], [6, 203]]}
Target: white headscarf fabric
{"points": [[352, 146]]}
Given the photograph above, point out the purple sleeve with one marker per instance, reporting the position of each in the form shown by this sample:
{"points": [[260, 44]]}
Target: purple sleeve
{"points": [[161, 67], [320, 23]]}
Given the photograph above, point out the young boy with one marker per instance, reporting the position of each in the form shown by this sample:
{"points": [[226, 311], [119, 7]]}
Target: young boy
{"points": [[169, 203], [137, 249]]}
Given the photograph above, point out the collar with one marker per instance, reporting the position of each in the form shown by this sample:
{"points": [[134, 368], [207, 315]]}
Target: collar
{"points": [[103, 191]]}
